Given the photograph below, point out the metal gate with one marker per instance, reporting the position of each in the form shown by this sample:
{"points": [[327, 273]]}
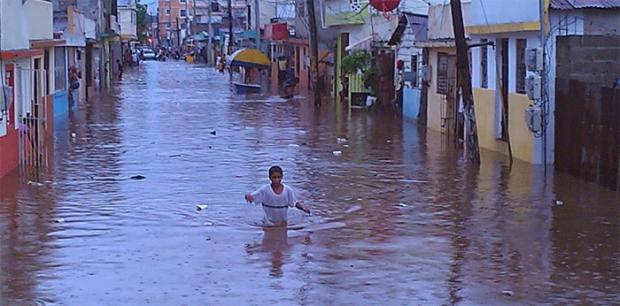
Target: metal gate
{"points": [[33, 140]]}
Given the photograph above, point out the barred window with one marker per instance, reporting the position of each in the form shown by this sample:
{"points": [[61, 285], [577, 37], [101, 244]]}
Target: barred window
{"points": [[521, 44], [60, 69], [442, 73], [484, 65]]}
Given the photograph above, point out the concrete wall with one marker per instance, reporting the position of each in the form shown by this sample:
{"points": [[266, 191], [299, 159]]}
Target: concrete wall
{"points": [[522, 140], [489, 12], [487, 101], [440, 20], [13, 30], [40, 19], [127, 22]]}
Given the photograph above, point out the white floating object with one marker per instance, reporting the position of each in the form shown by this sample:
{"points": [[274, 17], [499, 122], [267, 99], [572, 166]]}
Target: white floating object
{"points": [[73, 135], [402, 205], [388, 141], [345, 145], [337, 153], [209, 223], [35, 183], [293, 145], [508, 293], [341, 140], [559, 203], [61, 220], [202, 207]]}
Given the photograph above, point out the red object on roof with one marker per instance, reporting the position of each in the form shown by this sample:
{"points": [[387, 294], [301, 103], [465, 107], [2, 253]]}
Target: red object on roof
{"points": [[22, 53], [276, 31], [385, 5], [580, 4]]}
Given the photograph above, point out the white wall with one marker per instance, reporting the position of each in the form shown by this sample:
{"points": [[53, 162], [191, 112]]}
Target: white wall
{"points": [[440, 20], [14, 27], [40, 19], [127, 23], [484, 12]]}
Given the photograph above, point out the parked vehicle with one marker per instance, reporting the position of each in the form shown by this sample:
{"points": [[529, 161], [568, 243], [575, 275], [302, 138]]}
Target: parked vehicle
{"points": [[148, 54]]}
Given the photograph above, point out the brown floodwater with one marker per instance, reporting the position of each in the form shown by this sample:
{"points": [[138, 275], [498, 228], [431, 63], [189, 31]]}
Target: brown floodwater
{"points": [[397, 218]]}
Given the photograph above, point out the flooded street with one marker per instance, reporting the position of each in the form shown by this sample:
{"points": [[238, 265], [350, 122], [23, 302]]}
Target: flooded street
{"points": [[397, 218]]}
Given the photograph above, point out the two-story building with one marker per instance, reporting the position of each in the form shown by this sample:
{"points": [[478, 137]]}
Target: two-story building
{"points": [[128, 22], [27, 68]]}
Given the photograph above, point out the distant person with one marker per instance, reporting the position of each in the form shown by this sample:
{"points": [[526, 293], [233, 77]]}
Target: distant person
{"points": [[74, 84], [275, 198], [120, 69]]}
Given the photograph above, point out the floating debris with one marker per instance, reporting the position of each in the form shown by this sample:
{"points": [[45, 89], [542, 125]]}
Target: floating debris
{"points": [[293, 145], [388, 141], [35, 183], [61, 220], [508, 293], [209, 223], [337, 153], [202, 207], [353, 209], [402, 205], [345, 145], [138, 177], [213, 132], [341, 140], [559, 203], [73, 135]]}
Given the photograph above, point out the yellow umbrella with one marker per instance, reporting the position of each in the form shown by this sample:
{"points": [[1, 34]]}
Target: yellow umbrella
{"points": [[249, 58]]}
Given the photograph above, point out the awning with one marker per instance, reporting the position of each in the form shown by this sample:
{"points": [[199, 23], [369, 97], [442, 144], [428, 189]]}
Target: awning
{"points": [[249, 58], [364, 44], [21, 53], [46, 43]]}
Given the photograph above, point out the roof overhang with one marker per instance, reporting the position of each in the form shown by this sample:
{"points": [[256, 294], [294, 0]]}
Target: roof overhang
{"points": [[46, 43], [22, 53]]}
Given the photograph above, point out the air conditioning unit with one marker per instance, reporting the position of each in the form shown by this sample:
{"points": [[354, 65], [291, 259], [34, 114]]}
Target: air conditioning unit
{"points": [[533, 87], [534, 59], [533, 118], [426, 73]]}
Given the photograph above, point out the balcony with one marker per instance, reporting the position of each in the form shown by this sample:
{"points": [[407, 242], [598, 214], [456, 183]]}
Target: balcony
{"points": [[339, 13]]}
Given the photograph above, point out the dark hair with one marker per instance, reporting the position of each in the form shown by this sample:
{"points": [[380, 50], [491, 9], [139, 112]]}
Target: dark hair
{"points": [[275, 169]]}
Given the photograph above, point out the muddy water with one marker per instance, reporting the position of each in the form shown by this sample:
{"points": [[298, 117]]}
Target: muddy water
{"points": [[397, 217]]}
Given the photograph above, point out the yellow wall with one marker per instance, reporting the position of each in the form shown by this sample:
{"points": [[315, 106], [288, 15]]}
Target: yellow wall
{"points": [[521, 139], [434, 99]]}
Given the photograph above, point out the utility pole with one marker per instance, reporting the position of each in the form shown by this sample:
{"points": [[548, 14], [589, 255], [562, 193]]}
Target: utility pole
{"points": [[187, 31], [170, 21], [257, 23], [314, 53], [464, 83], [210, 41], [230, 28], [194, 17], [543, 104]]}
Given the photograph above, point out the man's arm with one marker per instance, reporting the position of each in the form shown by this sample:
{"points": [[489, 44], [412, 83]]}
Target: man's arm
{"points": [[301, 207]]}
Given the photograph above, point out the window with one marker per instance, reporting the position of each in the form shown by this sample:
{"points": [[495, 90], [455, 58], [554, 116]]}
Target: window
{"points": [[356, 5], [133, 18], [414, 71], [484, 65], [442, 73], [60, 69], [167, 11], [167, 25], [183, 1], [183, 13], [521, 44]]}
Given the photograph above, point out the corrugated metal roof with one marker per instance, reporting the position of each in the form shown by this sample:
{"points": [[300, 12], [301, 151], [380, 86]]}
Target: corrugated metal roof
{"points": [[580, 4]]}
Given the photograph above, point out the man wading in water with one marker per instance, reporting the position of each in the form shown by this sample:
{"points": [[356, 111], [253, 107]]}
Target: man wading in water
{"points": [[275, 198]]}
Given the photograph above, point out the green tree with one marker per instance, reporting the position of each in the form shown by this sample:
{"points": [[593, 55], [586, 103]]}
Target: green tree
{"points": [[142, 22]]}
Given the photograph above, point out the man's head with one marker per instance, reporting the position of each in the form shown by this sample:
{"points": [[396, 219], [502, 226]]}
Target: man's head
{"points": [[276, 174]]}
